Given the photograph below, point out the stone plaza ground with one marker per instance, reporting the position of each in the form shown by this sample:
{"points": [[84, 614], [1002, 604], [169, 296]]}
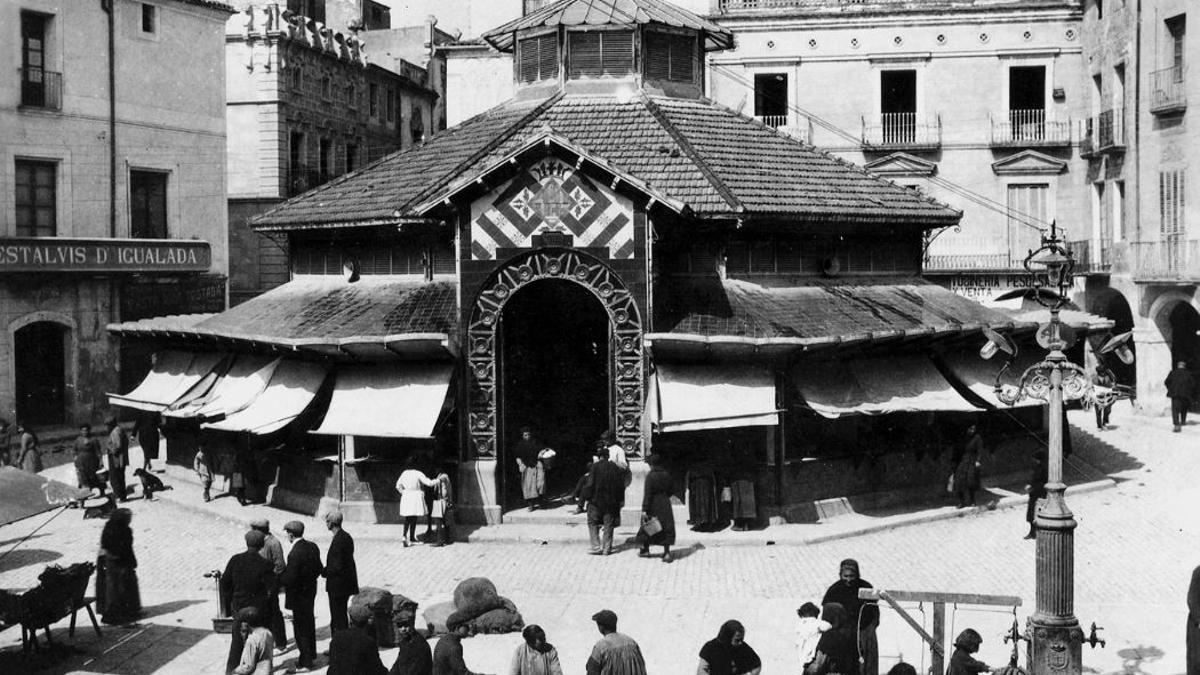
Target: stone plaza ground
{"points": [[1135, 549]]}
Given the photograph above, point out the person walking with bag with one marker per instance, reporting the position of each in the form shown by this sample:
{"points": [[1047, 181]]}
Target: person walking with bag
{"points": [[658, 528]]}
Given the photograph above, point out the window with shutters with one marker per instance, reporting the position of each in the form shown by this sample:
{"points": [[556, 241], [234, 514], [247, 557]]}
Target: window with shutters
{"points": [[600, 53], [147, 204], [1028, 210], [36, 198], [1170, 203], [670, 57], [538, 58]]}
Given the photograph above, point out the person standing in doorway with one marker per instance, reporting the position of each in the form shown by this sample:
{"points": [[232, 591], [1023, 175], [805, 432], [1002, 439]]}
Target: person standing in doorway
{"points": [[966, 469], [299, 581], [1180, 388], [272, 552], [614, 653], [529, 465], [863, 614], [87, 460], [145, 429], [341, 572], [605, 499], [29, 457], [410, 485], [248, 581], [117, 449]]}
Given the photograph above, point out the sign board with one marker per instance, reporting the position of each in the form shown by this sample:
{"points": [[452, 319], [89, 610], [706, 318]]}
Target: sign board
{"points": [[982, 286], [55, 254]]}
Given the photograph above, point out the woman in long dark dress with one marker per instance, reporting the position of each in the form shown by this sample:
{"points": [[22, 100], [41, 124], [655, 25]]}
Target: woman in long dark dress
{"points": [[836, 653], [117, 594], [863, 614], [728, 653], [966, 470], [656, 503], [702, 498]]}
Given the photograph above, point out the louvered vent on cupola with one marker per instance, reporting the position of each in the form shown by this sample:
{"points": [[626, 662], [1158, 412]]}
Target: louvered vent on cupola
{"points": [[537, 57], [599, 53], [670, 57]]}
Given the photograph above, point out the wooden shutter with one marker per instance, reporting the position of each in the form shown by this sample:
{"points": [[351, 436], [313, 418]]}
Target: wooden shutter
{"points": [[527, 55], [683, 52], [617, 52], [658, 56], [548, 56], [585, 55]]}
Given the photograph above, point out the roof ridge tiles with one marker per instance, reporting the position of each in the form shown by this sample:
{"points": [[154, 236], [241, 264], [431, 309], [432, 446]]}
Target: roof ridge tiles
{"points": [[687, 148]]}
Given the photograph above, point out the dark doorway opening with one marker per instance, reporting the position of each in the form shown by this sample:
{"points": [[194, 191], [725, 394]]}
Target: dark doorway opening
{"points": [[1112, 305], [898, 103], [1185, 344], [1027, 102], [40, 357], [554, 374], [771, 98]]}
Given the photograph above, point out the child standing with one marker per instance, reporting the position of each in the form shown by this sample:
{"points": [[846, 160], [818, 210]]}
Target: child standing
{"points": [[443, 499], [808, 632], [961, 662], [204, 471]]}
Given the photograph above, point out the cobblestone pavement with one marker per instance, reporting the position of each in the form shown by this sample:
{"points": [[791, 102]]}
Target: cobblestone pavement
{"points": [[1135, 548]]}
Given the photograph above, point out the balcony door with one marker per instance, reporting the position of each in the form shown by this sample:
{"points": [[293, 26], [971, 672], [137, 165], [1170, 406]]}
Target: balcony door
{"points": [[771, 98], [1027, 101], [898, 105], [33, 59]]}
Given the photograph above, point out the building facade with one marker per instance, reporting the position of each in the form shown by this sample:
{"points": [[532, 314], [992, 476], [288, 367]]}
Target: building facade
{"points": [[112, 202], [306, 104]]}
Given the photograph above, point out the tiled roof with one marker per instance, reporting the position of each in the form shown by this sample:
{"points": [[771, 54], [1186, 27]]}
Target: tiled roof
{"points": [[211, 4], [718, 163], [749, 9], [610, 12], [321, 312], [821, 311]]}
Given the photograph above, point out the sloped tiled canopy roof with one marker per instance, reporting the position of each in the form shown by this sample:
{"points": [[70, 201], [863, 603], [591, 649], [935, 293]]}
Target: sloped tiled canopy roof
{"points": [[715, 162], [628, 13]]}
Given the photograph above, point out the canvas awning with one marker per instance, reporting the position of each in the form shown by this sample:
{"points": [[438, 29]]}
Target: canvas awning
{"points": [[291, 389], [696, 397], [400, 400], [174, 373], [979, 376], [875, 386], [232, 392]]}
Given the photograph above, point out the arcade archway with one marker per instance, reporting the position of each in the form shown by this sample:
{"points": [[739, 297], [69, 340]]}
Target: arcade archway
{"points": [[1110, 304], [40, 369]]}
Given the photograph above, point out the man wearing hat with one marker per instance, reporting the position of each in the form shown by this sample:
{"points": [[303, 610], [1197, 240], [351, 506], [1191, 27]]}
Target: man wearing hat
{"points": [[272, 552], [605, 497], [448, 655], [257, 657], [248, 581], [341, 572], [413, 655], [299, 579], [116, 446], [353, 651], [615, 653]]}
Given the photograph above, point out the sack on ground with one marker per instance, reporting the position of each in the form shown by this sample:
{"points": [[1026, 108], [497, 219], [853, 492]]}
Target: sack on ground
{"points": [[476, 595], [435, 617], [504, 619]]}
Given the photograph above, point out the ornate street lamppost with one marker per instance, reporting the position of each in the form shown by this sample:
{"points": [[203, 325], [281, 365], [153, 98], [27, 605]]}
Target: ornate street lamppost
{"points": [[1055, 637]]}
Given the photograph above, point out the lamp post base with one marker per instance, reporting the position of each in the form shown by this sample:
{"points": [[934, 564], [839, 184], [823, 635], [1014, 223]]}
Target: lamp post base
{"points": [[1055, 649]]}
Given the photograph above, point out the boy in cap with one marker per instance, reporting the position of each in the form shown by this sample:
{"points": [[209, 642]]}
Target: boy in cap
{"points": [[248, 581], [256, 653], [353, 651], [272, 551], [448, 655], [614, 653], [413, 655], [299, 579]]}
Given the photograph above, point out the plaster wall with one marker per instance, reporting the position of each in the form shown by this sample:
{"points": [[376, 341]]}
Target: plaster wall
{"points": [[475, 82]]}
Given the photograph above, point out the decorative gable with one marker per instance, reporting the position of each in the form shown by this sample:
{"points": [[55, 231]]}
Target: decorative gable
{"points": [[901, 164], [1029, 162], [551, 196]]}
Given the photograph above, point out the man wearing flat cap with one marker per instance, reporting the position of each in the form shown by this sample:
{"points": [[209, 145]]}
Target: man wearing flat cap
{"points": [[448, 654], [353, 651], [272, 552], [615, 653], [248, 581], [299, 580]]}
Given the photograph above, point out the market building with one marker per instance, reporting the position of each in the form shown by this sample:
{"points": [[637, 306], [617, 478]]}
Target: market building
{"points": [[608, 251], [112, 202]]}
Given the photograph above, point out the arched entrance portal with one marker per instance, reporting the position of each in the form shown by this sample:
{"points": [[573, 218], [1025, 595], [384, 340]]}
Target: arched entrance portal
{"points": [[554, 343], [40, 367], [1110, 304]]}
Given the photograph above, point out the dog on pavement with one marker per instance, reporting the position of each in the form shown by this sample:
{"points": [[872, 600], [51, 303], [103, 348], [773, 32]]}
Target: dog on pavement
{"points": [[150, 484]]}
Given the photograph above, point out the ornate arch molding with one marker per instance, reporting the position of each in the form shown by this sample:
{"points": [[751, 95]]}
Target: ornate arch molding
{"points": [[628, 384]]}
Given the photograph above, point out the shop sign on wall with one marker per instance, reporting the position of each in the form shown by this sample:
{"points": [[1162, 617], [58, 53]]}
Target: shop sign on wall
{"points": [[54, 254], [983, 287]]}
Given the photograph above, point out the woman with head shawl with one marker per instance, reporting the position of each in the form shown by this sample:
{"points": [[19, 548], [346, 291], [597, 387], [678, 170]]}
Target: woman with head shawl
{"points": [[535, 656], [533, 473], [728, 653], [863, 614], [411, 486], [656, 503], [837, 653], [961, 662], [118, 597]]}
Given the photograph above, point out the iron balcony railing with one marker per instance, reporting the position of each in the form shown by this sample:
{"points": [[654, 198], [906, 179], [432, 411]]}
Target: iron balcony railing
{"points": [[1003, 261], [41, 89], [1110, 130], [1091, 258], [1172, 259], [897, 131], [751, 5], [799, 127], [1168, 93], [1024, 128]]}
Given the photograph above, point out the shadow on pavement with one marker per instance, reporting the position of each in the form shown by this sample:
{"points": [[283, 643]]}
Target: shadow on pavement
{"points": [[25, 557], [7, 542], [136, 648], [168, 607]]}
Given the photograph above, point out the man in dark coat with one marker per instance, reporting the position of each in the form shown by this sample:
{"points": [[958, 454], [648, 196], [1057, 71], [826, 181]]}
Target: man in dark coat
{"points": [[413, 655], [1193, 624], [299, 580], [272, 550], [1180, 387], [341, 574], [353, 651], [605, 499], [1038, 478], [448, 655], [248, 581], [117, 448], [864, 614]]}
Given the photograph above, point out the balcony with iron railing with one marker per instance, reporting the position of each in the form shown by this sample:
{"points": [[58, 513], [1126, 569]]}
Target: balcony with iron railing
{"points": [[1092, 257], [1168, 91], [1172, 260], [41, 89], [901, 131], [1110, 131], [796, 126], [983, 261], [726, 6], [1029, 128]]}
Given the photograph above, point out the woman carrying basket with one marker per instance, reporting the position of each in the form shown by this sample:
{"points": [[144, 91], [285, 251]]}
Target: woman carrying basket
{"points": [[658, 520]]}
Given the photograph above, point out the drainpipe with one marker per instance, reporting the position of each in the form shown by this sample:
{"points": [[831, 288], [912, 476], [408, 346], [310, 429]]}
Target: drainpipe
{"points": [[1137, 124], [110, 10]]}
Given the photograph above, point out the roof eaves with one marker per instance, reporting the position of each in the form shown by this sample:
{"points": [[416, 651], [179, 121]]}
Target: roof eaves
{"points": [[680, 140]]}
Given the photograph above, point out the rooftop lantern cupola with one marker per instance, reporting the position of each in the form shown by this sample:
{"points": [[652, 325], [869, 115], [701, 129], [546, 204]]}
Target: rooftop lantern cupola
{"points": [[609, 47]]}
